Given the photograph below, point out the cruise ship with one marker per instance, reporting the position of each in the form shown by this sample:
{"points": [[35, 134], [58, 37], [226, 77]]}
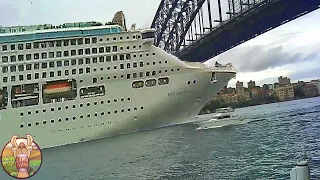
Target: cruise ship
{"points": [[82, 81]]}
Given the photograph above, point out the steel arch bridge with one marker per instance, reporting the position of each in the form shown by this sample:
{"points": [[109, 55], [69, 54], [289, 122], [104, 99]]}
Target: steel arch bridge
{"points": [[185, 27]]}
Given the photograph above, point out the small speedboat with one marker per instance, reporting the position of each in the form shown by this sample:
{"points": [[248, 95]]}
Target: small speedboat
{"points": [[219, 120]]}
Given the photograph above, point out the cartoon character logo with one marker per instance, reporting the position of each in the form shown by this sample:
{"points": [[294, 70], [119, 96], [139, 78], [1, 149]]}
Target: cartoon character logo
{"points": [[21, 158]]}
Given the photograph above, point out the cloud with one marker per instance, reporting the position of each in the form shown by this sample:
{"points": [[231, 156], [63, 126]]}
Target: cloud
{"points": [[259, 57]]}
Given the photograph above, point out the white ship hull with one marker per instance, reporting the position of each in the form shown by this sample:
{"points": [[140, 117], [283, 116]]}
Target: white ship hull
{"points": [[121, 109]]}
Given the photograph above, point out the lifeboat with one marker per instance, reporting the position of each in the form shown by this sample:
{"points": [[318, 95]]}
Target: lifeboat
{"points": [[57, 88]]}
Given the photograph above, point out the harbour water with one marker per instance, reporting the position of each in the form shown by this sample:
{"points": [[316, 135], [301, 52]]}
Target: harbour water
{"points": [[267, 148]]}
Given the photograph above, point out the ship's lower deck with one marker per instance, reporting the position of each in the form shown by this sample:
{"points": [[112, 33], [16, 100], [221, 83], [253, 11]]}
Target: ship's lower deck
{"points": [[121, 110]]}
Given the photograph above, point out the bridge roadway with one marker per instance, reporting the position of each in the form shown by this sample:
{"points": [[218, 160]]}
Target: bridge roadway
{"points": [[243, 27]]}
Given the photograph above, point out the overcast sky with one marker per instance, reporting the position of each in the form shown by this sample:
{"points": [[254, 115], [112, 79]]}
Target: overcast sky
{"points": [[291, 50]]}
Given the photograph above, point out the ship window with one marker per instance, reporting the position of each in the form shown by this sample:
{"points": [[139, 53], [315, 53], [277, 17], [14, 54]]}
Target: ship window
{"points": [[44, 75], [20, 68], [128, 76], [58, 54], [43, 45], [13, 58], [128, 56], [94, 59], [66, 63], [153, 53], [151, 82], [80, 70], [141, 74], [73, 52], [140, 47], [13, 78], [36, 66], [51, 74], [114, 48], [115, 67], [59, 63], [92, 91], [108, 49], [128, 47], [114, 57], [87, 40], [20, 46], [43, 55], [108, 58], [162, 81], [135, 64], [28, 57], [35, 45], [73, 62], [66, 42], [153, 73], [73, 42], [128, 65], [87, 60], [141, 64], [43, 65], [121, 57], [36, 75], [80, 41], [166, 62], [87, 70], [94, 40], [51, 44], [137, 84], [148, 73], [134, 75], [28, 67], [51, 54], [13, 68], [65, 53], [101, 59], [134, 46], [4, 59], [94, 80], [66, 72], [51, 64], [5, 69], [147, 63], [80, 61], [13, 47], [4, 47], [154, 63], [20, 77], [5, 79], [87, 51], [74, 71], [121, 66], [80, 51], [59, 73], [101, 50], [94, 51]]}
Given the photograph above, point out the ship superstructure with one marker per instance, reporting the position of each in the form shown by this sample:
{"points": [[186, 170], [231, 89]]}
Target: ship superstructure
{"points": [[82, 81]]}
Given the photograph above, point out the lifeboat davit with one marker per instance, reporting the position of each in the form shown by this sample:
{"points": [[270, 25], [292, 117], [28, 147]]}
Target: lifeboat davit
{"points": [[57, 88]]}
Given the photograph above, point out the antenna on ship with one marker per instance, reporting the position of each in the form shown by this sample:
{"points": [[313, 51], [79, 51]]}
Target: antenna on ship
{"points": [[133, 27]]}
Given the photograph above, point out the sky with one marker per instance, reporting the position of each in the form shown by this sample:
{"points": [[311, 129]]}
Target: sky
{"points": [[291, 50]]}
